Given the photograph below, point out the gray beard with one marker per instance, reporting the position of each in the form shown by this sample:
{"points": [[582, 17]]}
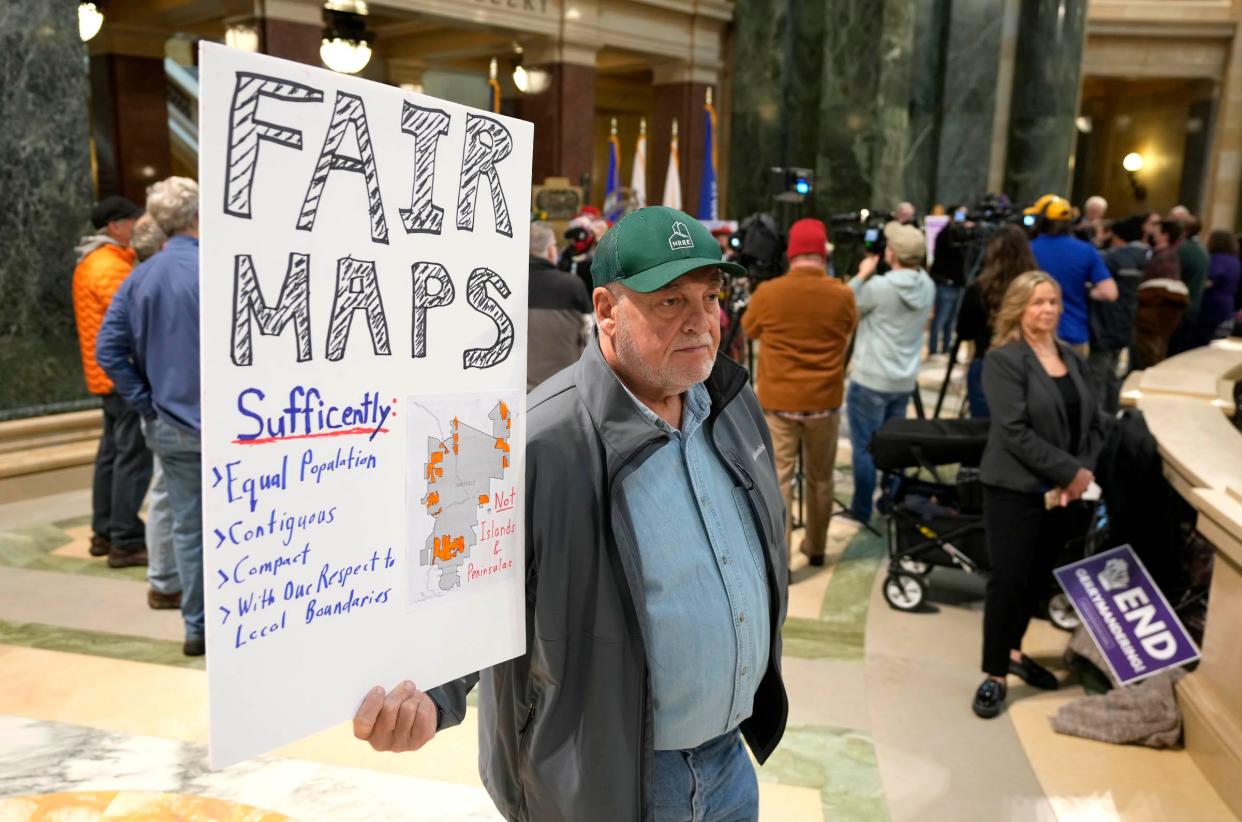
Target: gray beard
{"points": [[671, 380]]}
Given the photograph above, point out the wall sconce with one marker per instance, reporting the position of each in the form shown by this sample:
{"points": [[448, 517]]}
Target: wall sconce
{"points": [[242, 37], [346, 43], [1133, 163], [90, 20]]}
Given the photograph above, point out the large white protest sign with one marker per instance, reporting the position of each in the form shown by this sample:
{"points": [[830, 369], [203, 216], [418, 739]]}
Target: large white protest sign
{"points": [[364, 292]]}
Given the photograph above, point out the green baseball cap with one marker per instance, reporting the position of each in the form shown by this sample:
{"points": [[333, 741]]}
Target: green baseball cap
{"points": [[649, 248]]}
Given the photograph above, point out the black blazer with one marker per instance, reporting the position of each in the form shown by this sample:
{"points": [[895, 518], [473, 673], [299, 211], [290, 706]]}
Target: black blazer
{"points": [[1029, 436]]}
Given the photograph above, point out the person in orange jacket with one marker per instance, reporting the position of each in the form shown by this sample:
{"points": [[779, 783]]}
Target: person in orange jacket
{"points": [[123, 462]]}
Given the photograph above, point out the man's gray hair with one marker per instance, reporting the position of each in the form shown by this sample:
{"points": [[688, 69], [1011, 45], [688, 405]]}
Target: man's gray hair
{"points": [[148, 238], [173, 204], [541, 236]]}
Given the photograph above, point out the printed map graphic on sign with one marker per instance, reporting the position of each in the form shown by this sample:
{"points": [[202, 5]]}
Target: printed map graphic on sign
{"points": [[467, 493]]}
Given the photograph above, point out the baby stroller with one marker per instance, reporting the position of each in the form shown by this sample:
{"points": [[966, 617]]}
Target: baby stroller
{"points": [[935, 517]]}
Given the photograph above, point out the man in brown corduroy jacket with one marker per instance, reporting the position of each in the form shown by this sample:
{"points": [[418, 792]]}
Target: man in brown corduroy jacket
{"points": [[803, 322]]}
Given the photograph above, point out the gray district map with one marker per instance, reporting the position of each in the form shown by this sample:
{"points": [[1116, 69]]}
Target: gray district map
{"points": [[459, 470]]}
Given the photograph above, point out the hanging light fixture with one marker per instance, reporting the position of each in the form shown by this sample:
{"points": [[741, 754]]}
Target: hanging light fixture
{"points": [[346, 43], [90, 20]]}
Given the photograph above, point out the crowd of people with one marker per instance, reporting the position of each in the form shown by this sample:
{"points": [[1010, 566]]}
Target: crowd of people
{"points": [[642, 437], [135, 292]]}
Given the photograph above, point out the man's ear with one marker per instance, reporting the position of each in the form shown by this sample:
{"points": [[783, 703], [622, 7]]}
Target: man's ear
{"points": [[606, 307]]}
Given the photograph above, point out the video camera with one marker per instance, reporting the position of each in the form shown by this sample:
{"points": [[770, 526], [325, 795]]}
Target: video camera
{"points": [[991, 211], [863, 226], [759, 246]]}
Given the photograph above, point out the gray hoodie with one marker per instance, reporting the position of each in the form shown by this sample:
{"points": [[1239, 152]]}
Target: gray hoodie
{"points": [[92, 242], [892, 310]]}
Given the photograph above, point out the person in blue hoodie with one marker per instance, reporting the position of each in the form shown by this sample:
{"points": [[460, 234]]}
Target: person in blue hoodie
{"points": [[893, 310]]}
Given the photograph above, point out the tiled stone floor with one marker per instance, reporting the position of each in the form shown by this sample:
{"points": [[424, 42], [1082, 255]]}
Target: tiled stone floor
{"points": [[101, 715]]}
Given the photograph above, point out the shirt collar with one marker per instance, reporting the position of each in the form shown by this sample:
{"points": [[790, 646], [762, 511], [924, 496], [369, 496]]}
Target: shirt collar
{"points": [[696, 407]]}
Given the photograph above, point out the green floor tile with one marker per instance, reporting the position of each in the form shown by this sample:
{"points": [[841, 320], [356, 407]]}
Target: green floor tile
{"points": [[840, 763], [96, 643]]}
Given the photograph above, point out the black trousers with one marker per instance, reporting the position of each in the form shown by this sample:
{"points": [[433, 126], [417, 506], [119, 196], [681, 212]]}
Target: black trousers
{"points": [[1024, 541], [122, 475]]}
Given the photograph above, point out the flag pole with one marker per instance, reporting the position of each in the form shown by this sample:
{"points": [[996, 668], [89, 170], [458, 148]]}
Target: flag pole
{"points": [[493, 85]]}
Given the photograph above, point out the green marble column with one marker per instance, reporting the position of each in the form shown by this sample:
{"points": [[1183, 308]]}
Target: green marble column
{"points": [[1047, 67], [928, 99], [46, 179], [828, 85], [970, 88], [758, 128]]}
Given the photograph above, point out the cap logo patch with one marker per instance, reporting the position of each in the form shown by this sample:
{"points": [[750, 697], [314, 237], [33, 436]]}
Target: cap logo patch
{"points": [[680, 239]]}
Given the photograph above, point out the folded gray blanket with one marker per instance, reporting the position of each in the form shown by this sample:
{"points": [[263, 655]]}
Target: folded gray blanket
{"points": [[1145, 713]]}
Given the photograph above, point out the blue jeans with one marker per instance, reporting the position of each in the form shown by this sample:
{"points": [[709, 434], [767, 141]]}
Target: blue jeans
{"points": [[974, 391], [866, 411], [162, 559], [714, 782], [180, 456], [942, 321]]}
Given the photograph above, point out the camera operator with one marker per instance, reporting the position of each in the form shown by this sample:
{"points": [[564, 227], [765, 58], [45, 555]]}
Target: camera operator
{"points": [[803, 321], [892, 309], [948, 272]]}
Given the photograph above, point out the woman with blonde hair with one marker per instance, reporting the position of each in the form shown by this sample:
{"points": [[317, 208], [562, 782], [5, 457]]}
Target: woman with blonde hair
{"points": [[1045, 436]]}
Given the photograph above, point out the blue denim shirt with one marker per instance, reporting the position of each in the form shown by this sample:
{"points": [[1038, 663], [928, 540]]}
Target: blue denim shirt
{"points": [[705, 581], [148, 344]]}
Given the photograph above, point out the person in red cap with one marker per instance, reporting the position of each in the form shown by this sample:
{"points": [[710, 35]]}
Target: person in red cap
{"points": [[803, 322]]}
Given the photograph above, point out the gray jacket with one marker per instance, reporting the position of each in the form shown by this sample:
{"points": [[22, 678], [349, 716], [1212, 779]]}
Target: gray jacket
{"points": [[1029, 435], [566, 731]]}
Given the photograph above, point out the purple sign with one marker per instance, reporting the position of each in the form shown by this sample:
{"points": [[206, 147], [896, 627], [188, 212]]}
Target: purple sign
{"points": [[1126, 614]]}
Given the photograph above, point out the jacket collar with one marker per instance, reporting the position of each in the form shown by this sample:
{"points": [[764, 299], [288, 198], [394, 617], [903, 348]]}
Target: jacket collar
{"points": [[611, 407], [540, 264], [808, 271], [1070, 358]]}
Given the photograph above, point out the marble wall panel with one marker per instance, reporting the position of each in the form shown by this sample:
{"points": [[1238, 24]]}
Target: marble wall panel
{"points": [[45, 175]]}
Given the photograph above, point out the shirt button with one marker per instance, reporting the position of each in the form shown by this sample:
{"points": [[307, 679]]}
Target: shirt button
{"points": [[724, 560], [744, 670], [741, 618]]}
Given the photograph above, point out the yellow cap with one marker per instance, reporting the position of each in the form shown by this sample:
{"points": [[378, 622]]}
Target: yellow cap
{"points": [[1059, 210], [1037, 207]]}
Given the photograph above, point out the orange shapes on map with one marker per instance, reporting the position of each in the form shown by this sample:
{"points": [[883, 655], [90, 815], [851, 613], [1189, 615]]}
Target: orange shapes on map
{"points": [[504, 410], [502, 445], [504, 462], [432, 498], [482, 499], [446, 547], [433, 466]]}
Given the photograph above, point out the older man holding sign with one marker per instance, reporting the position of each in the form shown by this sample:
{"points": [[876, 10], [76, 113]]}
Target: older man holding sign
{"points": [[656, 568]]}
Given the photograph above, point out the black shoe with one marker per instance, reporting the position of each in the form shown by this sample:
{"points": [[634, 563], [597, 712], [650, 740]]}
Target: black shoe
{"points": [[100, 546], [816, 560], [195, 647], [989, 699], [1034, 674]]}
